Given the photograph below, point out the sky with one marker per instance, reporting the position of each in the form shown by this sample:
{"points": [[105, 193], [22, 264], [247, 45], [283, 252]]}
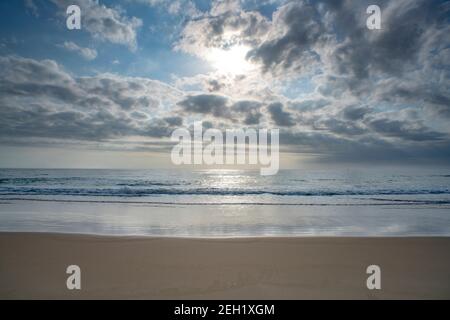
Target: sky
{"points": [[110, 95]]}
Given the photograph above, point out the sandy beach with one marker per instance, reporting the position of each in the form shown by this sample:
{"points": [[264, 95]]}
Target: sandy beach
{"points": [[33, 266]]}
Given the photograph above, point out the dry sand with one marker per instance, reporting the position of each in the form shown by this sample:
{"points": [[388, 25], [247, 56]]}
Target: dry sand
{"points": [[32, 266]]}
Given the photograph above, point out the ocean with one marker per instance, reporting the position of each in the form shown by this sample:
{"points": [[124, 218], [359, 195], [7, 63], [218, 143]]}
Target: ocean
{"points": [[226, 203]]}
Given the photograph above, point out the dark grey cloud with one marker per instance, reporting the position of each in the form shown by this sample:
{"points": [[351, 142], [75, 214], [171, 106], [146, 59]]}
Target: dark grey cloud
{"points": [[330, 149], [330, 38], [214, 85], [247, 112], [406, 28], [22, 78], [354, 121], [405, 130], [432, 95], [128, 95], [279, 116], [308, 104], [174, 121], [40, 121], [215, 105], [340, 127], [251, 110], [300, 30], [305, 31], [253, 118], [40, 99], [355, 113], [100, 125]]}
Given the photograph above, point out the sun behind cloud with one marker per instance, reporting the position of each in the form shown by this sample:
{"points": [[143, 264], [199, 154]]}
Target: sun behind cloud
{"points": [[231, 61]]}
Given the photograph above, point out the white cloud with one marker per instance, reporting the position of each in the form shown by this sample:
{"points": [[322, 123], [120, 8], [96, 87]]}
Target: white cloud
{"points": [[86, 53], [106, 24]]}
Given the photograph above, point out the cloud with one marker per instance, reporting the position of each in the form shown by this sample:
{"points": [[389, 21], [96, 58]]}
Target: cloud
{"points": [[214, 85], [279, 116], [223, 26], [414, 131], [355, 113], [86, 53], [32, 7], [329, 149], [103, 23], [334, 34], [174, 121], [328, 42], [431, 92], [294, 39], [251, 111], [358, 73], [247, 112], [333, 87], [215, 105], [340, 127], [40, 99]]}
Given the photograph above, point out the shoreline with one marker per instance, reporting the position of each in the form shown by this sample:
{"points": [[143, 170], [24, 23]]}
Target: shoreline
{"points": [[219, 237], [382, 202], [212, 221], [33, 266]]}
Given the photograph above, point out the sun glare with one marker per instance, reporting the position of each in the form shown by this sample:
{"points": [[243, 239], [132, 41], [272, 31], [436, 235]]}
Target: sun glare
{"points": [[231, 61]]}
